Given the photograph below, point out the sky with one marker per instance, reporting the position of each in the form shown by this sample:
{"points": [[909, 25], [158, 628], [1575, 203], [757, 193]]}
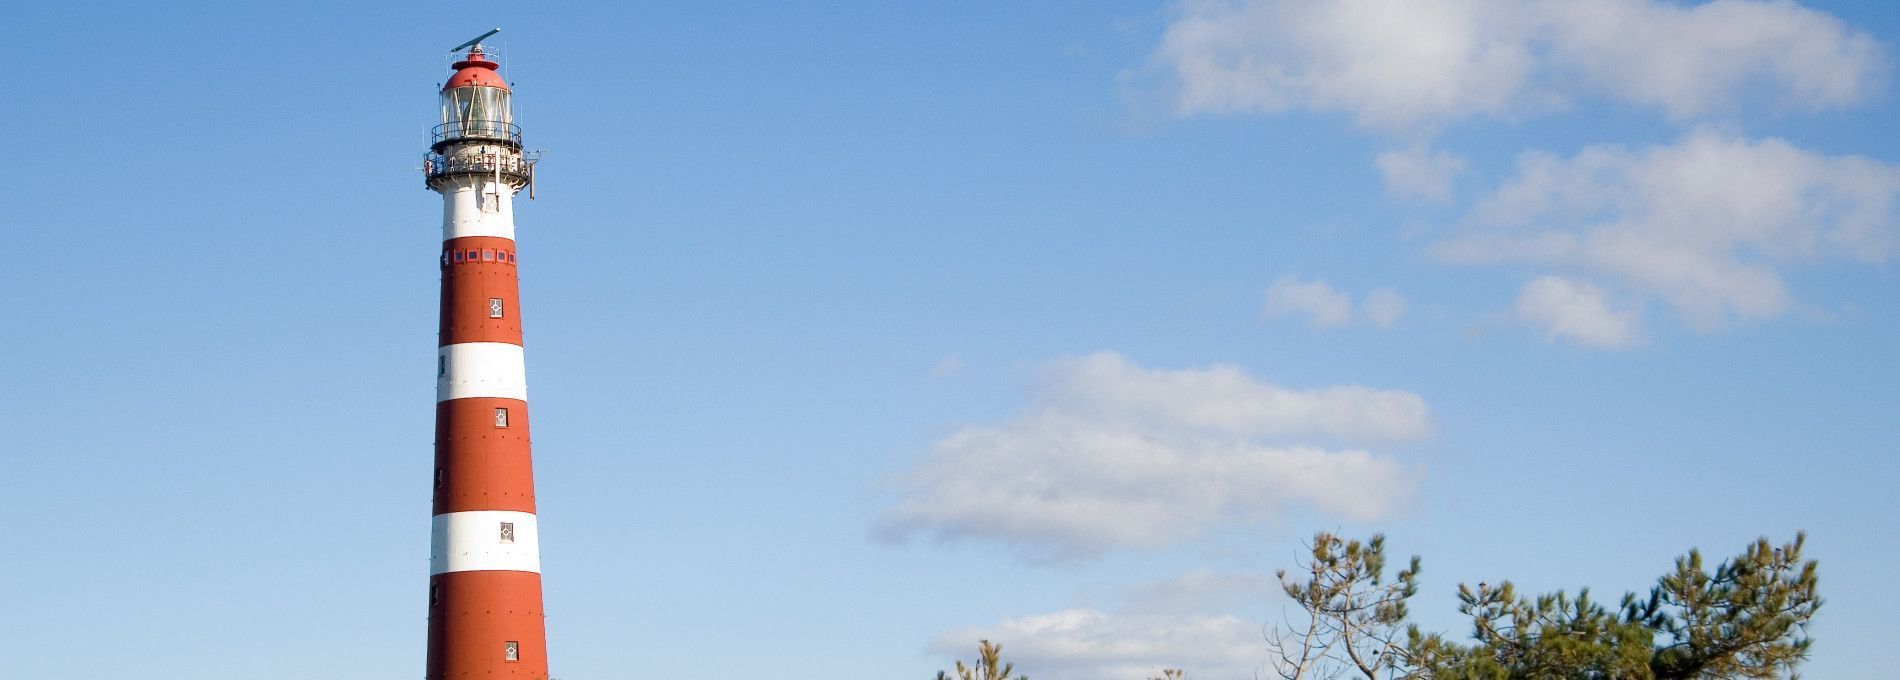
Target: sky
{"points": [[858, 332]]}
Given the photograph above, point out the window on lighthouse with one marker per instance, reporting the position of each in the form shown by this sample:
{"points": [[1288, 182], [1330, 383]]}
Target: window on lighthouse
{"points": [[455, 103], [476, 111], [485, 111], [501, 417], [511, 650], [494, 308], [507, 532]]}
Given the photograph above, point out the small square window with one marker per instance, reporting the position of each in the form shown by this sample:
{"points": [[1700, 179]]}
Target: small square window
{"points": [[501, 417], [441, 365], [511, 650], [507, 532], [458, 257], [445, 258], [511, 257], [488, 256], [494, 308], [474, 255], [435, 594]]}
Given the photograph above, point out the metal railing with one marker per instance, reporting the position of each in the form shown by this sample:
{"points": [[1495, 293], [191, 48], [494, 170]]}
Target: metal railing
{"points": [[509, 166], [477, 130]]}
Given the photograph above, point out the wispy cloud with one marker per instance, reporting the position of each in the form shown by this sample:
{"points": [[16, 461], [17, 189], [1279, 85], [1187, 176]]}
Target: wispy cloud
{"points": [[1384, 307], [1575, 311], [1184, 623], [1116, 455], [1324, 305], [1420, 172], [1410, 66], [1327, 307], [1706, 224]]}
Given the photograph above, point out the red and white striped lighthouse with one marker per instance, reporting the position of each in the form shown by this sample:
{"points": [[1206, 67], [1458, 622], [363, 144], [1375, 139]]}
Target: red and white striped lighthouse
{"points": [[485, 617]]}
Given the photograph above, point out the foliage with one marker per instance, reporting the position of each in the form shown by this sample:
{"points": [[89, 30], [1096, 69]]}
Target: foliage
{"points": [[1551, 636], [1746, 620], [1353, 612], [989, 665]]}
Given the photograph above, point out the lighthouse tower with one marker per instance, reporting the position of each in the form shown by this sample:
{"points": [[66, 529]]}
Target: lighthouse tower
{"points": [[485, 618]]}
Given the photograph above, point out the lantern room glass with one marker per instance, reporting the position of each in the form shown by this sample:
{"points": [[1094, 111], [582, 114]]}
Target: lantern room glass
{"points": [[476, 111]]}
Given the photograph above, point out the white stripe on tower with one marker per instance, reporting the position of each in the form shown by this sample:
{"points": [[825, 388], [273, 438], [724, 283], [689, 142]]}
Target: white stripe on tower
{"points": [[485, 540], [481, 369], [462, 213]]}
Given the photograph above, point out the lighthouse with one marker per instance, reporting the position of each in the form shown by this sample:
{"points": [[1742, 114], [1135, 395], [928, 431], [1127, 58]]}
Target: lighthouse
{"points": [[485, 616]]}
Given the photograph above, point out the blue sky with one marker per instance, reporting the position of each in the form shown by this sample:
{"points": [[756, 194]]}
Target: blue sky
{"points": [[857, 332]]}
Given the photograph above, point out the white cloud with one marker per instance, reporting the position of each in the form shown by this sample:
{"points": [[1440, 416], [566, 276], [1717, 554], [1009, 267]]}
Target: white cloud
{"points": [[1388, 63], [1404, 65], [1324, 305], [1419, 172], [1327, 307], [1384, 307], [1576, 311], [1223, 400], [1116, 455], [1172, 624], [1706, 224], [1691, 61], [1088, 644]]}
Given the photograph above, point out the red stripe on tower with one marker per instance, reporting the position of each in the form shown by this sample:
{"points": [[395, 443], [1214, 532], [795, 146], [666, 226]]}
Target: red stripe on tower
{"points": [[485, 617]]}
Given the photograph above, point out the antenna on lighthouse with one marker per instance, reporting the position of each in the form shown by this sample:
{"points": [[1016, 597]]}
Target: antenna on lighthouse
{"points": [[476, 41]]}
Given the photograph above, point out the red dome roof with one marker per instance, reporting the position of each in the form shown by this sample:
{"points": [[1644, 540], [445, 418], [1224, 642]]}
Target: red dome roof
{"points": [[476, 70]]}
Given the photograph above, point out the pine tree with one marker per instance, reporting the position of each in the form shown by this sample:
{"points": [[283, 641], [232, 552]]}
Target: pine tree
{"points": [[1746, 620], [1353, 613], [989, 665]]}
